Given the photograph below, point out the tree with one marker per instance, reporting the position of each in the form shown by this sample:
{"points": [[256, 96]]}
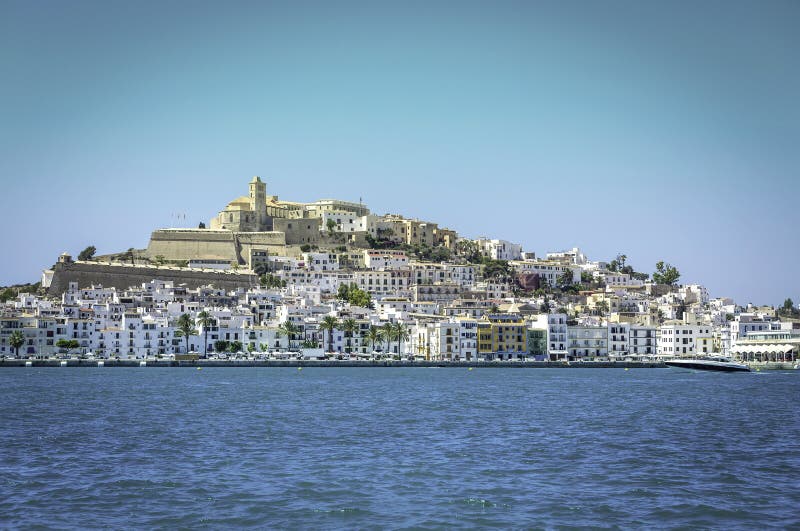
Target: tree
{"points": [[87, 254], [388, 334], [201, 225], [159, 259], [349, 326], [355, 296], [221, 345], [329, 323], [206, 321], [542, 282], [565, 279], [235, 346], [499, 269], [602, 307], [67, 344], [359, 297], [344, 292], [788, 309], [401, 333], [6, 295], [331, 225], [260, 269], [544, 307], [374, 334], [666, 274], [186, 328], [271, 281], [289, 329], [15, 341]]}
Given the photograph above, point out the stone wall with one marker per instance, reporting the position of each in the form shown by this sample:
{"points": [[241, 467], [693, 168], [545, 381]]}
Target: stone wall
{"points": [[272, 242], [298, 231], [125, 276], [190, 244]]}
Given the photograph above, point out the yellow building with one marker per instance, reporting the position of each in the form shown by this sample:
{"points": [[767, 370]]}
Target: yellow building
{"points": [[412, 231], [485, 339], [503, 336]]}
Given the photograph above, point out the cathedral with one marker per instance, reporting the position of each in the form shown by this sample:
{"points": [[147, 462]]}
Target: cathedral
{"points": [[259, 225], [258, 212]]}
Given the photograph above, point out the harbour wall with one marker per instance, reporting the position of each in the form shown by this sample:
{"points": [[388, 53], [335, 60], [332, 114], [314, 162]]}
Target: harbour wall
{"points": [[332, 363]]}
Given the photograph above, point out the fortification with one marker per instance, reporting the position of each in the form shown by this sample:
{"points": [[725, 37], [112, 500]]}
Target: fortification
{"points": [[205, 244], [124, 276]]}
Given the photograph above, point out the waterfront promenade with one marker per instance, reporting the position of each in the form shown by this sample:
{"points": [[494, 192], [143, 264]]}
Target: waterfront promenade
{"points": [[329, 363]]}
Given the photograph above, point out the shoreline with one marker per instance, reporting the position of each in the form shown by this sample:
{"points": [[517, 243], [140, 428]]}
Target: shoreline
{"points": [[332, 363]]}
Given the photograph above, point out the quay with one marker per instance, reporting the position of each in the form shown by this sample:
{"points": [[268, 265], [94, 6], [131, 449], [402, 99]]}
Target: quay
{"points": [[332, 363]]}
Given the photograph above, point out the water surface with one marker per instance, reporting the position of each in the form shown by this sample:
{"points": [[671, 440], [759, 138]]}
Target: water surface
{"points": [[332, 448]]}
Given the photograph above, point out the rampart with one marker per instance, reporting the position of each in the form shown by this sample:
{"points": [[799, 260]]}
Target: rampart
{"points": [[124, 276], [189, 244]]}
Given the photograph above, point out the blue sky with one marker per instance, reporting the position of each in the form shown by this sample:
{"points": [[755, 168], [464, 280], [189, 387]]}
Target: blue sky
{"points": [[662, 130]]}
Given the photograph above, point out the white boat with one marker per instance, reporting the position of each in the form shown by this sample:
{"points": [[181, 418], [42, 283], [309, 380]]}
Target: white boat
{"points": [[717, 363]]}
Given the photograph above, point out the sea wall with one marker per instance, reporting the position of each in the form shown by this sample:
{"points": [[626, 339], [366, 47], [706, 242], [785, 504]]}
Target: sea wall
{"points": [[124, 276], [331, 363]]}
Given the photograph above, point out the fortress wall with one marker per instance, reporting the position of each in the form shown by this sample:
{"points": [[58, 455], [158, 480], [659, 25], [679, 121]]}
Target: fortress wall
{"points": [[190, 244], [299, 231], [272, 242], [125, 276]]}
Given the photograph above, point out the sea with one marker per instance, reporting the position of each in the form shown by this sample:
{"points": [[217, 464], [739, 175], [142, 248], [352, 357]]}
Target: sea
{"points": [[398, 448]]}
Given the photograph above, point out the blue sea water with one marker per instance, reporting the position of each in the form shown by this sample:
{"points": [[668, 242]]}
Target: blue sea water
{"points": [[328, 448]]}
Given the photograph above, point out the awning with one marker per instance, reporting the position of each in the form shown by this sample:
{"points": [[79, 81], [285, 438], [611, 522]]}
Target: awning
{"points": [[762, 349]]}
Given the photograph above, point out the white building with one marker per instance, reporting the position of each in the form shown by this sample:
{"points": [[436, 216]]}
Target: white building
{"points": [[385, 259], [743, 324], [574, 256], [548, 269], [587, 342], [499, 249], [679, 340]]}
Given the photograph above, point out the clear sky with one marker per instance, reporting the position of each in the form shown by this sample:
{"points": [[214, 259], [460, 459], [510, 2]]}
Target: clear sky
{"points": [[661, 130]]}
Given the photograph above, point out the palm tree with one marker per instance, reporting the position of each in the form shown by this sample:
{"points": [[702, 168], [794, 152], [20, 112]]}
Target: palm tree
{"points": [[186, 328], [329, 323], [401, 333], [388, 335], [349, 326], [205, 320], [374, 334], [15, 341], [289, 329]]}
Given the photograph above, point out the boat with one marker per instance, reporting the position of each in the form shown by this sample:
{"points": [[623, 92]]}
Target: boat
{"points": [[716, 363]]}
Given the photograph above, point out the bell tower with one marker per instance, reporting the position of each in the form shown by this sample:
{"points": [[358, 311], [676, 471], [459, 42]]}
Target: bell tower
{"points": [[258, 201]]}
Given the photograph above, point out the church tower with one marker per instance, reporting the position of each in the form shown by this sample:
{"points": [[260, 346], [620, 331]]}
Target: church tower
{"points": [[258, 201]]}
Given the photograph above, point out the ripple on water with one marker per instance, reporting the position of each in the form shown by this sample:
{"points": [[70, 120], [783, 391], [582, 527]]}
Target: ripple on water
{"points": [[397, 448]]}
